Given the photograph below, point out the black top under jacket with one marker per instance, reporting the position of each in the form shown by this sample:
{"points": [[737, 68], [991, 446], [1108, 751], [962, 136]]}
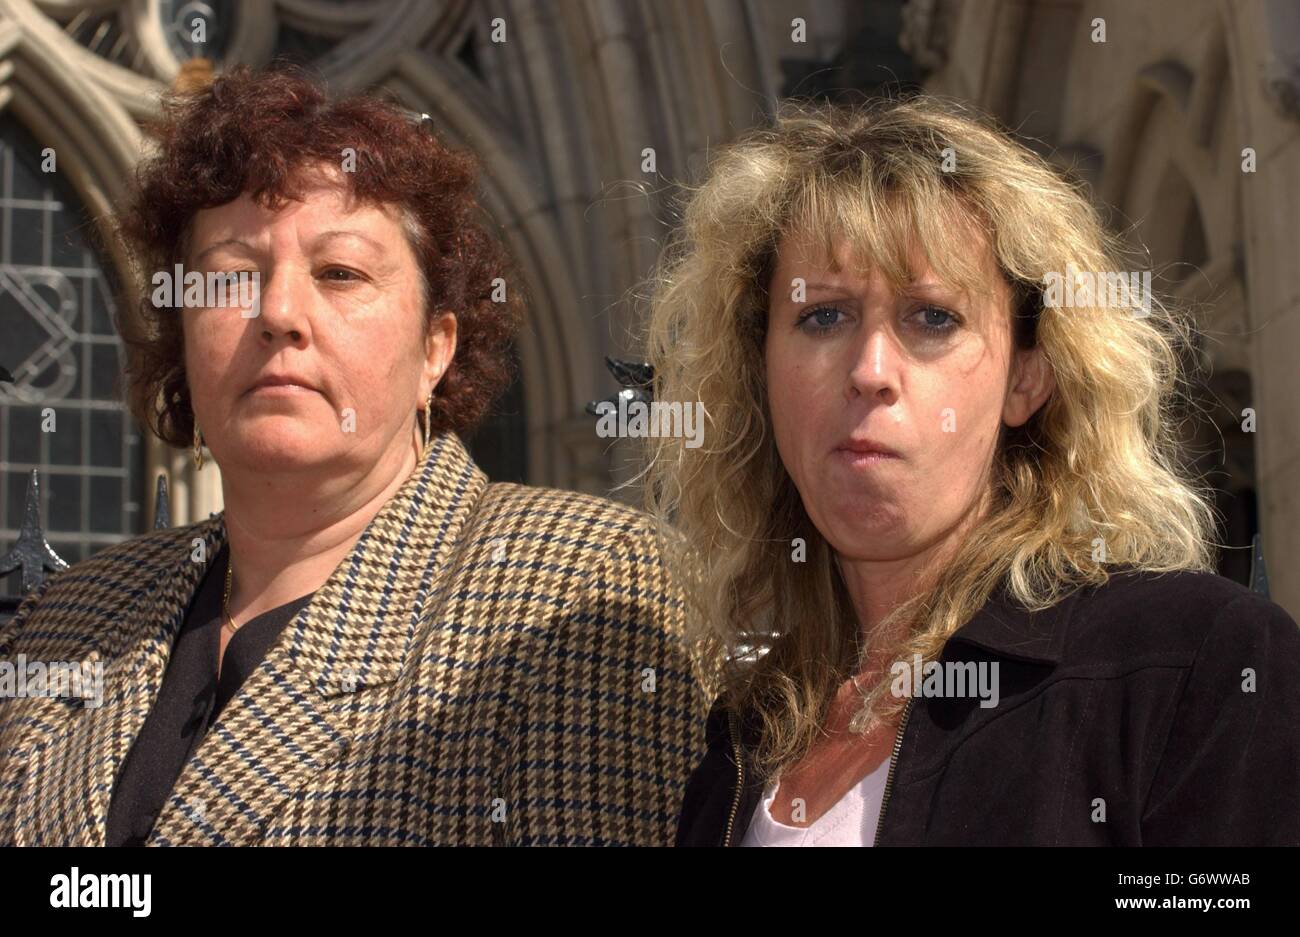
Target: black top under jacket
{"points": [[1157, 709], [188, 703]]}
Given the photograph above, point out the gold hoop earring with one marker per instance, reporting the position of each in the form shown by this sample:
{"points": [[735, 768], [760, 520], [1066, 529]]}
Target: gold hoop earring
{"points": [[198, 448]]}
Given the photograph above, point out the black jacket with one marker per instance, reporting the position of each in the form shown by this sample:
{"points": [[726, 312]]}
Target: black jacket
{"points": [[1125, 718]]}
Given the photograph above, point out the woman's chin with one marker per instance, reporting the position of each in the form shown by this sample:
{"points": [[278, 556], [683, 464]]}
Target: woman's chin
{"points": [[284, 449], [859, 531]]}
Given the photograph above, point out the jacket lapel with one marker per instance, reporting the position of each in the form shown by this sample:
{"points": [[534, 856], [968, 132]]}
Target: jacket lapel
{"points": [[126, 621], [1011, 630], [286, 725]]}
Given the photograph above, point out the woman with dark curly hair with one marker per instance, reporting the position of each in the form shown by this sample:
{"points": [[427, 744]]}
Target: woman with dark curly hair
{"points": [[370, 644]]}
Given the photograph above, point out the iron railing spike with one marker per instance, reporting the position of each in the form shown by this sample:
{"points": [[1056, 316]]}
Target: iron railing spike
{"points": [[637, 379], [32, 552], [631, 373], [162, 515]]}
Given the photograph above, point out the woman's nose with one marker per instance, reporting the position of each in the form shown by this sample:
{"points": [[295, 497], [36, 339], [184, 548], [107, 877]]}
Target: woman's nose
{"points": [[873, 368], [284, 304]]}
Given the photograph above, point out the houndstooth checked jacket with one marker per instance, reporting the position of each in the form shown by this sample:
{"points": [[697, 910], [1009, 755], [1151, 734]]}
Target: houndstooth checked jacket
{"points": [[492, 664]]}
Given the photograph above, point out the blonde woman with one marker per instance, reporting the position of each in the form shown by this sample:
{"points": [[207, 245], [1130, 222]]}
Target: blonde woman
{"points": [[939, 522]]}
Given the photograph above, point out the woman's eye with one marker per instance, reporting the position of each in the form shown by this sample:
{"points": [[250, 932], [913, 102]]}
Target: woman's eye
{"points": [[333, 274], [820, 319], [937, 320]]}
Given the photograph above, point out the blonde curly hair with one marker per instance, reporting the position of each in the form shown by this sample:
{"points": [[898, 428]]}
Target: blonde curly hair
{"points": [[1095, 479]]}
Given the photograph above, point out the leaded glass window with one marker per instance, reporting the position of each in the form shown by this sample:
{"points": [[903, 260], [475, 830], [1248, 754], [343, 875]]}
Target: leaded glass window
{"points": [[58, 341]]}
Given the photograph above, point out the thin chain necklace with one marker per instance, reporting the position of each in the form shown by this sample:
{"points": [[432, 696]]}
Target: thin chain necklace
{"points": [[225, 600]]}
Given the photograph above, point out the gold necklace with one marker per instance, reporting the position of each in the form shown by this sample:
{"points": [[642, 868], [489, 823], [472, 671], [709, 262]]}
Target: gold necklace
{"points": [[225, 600]]}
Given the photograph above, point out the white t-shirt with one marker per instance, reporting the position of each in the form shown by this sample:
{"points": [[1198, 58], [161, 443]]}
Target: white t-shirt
{"points": [[850, 822]]}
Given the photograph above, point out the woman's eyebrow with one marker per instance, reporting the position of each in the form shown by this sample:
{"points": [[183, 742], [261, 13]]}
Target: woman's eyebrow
{"points": [[340, 232], [927, 284], [824, 286], [227, 242], [318, 239]]}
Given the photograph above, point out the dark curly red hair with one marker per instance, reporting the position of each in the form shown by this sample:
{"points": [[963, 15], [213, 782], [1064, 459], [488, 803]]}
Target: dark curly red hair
{"points": [[262, 133]]}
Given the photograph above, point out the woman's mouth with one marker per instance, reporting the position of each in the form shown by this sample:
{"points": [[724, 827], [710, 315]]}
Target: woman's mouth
{"points": [[860, 453], [858, 459]]}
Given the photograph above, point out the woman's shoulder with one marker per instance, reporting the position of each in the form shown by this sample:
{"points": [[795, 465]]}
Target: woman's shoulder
{"points": [[1218, 663], [154, 551], [594, 568], [90, 593], [573, 519], [1173, 613], [597, 558]]}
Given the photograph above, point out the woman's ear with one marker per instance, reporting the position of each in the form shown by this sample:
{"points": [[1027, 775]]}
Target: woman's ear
{"points": [[439, 349], [1032, 382]]}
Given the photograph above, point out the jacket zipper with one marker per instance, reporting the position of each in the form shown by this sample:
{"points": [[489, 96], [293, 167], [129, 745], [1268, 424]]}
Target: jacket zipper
{"points": [[740, 775], [893, 764]]}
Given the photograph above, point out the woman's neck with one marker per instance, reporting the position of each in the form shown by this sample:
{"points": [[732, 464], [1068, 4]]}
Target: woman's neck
{"points": [[877, 587], [287, 534]]}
